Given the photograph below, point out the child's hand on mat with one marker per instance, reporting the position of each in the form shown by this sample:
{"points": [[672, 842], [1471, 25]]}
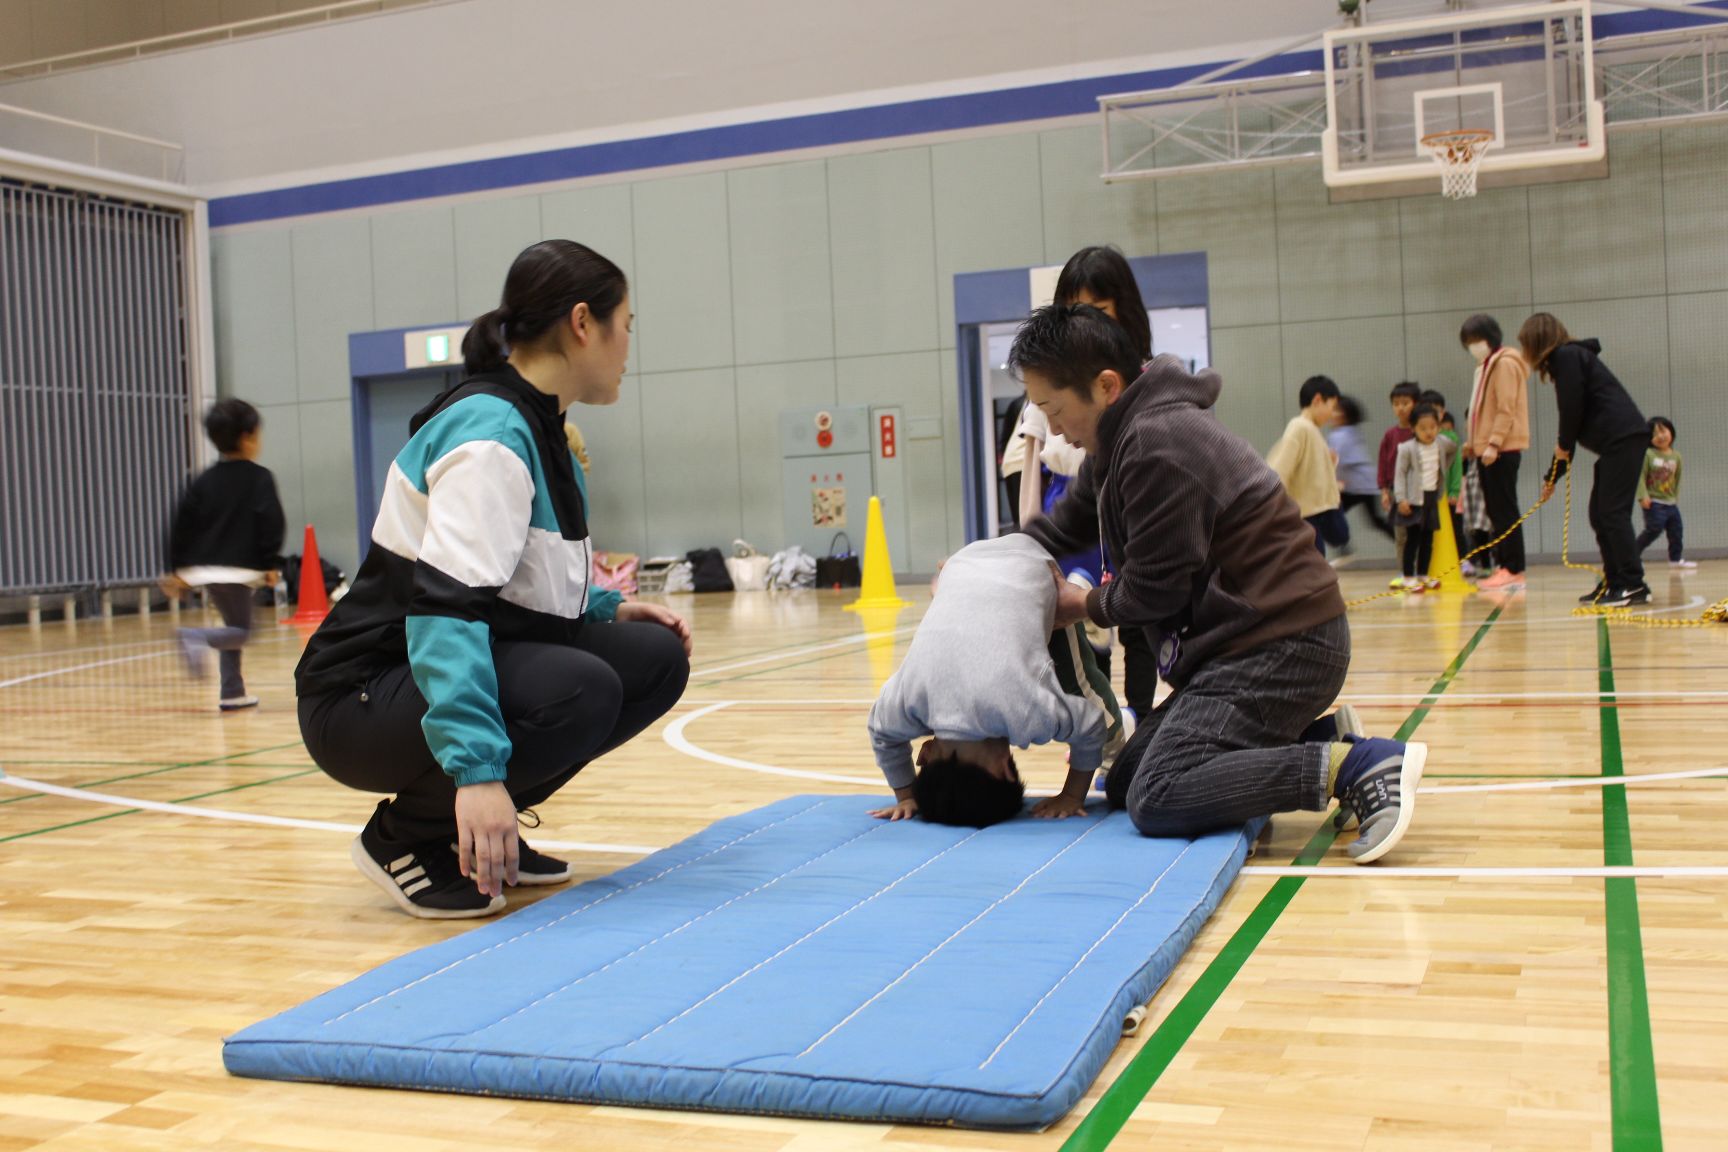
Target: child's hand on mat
{"points": [[1059, 806], [486, 836], [636, 610], [902, 810]]}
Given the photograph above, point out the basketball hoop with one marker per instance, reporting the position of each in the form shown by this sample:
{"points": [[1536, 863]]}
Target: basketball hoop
{"points": [[1459, 154]]}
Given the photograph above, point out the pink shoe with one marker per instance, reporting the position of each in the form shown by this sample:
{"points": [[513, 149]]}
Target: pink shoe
{"points": [[1501, 580]]}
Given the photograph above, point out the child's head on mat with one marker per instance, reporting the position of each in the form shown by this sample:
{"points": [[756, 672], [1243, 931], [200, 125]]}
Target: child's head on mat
{"points": [[1075, 362], [974, 783]]}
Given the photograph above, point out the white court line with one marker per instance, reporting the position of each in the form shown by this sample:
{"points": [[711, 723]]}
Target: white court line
{"points": [[674, 736], [1585, 782], [83, 668], [1330, 873], [1580, 694], [1428, 622], [167, 650], [771, 658], [260, 818], [1374, 871]]}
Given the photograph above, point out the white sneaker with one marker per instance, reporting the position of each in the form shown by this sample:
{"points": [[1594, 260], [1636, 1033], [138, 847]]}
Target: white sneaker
{"points": [[1679, 565], [237, 703]]}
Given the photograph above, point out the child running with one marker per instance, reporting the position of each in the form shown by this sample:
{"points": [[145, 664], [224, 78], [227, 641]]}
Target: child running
{"points": [[1307, 466], [1356, 479], [227, 539], [984, 675]]}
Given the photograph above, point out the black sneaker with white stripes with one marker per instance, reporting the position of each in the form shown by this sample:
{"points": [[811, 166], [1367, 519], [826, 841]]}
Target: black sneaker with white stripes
{"points": [[535, 867], [423, 879]]}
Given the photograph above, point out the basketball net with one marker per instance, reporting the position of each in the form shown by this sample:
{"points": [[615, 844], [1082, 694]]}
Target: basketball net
{"points": [[1459, 154]]}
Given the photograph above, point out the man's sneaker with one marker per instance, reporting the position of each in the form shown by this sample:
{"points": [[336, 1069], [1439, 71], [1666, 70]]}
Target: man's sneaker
{"points": [[423, 879], [1594, 594], [194, 653], [1625, 597], [1430, 582], [1342, 726], [1682, 565], [534, 867], [1377, 785], [238, 703]]}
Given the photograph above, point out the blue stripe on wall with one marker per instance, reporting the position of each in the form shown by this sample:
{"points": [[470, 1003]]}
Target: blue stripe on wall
{"points": [[938, 114], [884, 122]]}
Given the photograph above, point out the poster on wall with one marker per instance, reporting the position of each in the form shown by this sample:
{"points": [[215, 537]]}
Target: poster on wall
{"points": [[828, 507]]}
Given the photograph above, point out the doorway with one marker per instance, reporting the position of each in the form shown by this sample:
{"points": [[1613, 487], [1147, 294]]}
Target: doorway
{"points": [[989, 308]]}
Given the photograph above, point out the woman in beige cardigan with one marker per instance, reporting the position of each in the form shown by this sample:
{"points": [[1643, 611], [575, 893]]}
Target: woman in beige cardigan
{"points": [[1497, 432]]}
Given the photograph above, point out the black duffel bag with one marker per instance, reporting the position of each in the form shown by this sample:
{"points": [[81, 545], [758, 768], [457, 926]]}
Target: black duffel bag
{"points": [[838, 569], [708, 570]]}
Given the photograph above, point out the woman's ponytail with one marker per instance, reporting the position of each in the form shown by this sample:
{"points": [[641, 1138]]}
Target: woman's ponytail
{"points": [[483, 346], [545, 282]]}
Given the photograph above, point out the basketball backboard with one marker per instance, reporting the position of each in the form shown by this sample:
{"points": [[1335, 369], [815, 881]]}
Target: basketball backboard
{"points": [[1524, 73]]}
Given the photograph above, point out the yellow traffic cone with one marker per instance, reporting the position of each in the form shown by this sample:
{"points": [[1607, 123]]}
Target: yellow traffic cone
{"points": [[878, 586], [1445, 557]]}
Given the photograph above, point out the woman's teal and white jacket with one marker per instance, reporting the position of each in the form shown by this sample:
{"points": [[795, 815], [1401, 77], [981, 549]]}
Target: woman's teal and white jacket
{"points": [[481, 536]]}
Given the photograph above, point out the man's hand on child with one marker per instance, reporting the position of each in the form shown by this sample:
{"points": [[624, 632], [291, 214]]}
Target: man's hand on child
{"points": [[1070, 604], [901, 810]]}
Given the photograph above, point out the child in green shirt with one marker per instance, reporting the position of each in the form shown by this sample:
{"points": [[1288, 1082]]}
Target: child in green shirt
{"points": [[1659, 494]]}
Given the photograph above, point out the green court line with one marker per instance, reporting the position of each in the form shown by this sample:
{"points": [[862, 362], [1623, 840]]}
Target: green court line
{"points": [[153, 771], [1117, 1105], [180, 800], [1631, 1053]]}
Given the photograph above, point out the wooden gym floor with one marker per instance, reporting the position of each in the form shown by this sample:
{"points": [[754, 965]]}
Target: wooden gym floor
{"points": [[1503, 994]]}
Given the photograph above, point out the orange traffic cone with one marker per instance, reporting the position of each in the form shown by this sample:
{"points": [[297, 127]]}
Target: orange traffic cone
{"points": [[314, 604]]}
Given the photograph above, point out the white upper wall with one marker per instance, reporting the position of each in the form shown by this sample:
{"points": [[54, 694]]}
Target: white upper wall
{"points": [[490, 77]]}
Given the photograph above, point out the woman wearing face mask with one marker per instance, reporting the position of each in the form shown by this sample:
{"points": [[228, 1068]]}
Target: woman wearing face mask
{"points": [[1497, 430]]}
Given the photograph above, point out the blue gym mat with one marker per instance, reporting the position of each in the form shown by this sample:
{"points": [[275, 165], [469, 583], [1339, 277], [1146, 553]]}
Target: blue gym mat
{"points": [[803, 959]]}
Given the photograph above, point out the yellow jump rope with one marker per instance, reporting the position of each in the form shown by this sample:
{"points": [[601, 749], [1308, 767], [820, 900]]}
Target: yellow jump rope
{"points": [[1717, 613]]}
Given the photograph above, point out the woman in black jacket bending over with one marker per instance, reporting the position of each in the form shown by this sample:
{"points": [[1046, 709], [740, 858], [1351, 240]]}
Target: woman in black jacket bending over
{"points": [[1597, 413]]}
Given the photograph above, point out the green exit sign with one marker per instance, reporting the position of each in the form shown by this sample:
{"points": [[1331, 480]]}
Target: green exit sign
{"points": [[438, 349]]}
